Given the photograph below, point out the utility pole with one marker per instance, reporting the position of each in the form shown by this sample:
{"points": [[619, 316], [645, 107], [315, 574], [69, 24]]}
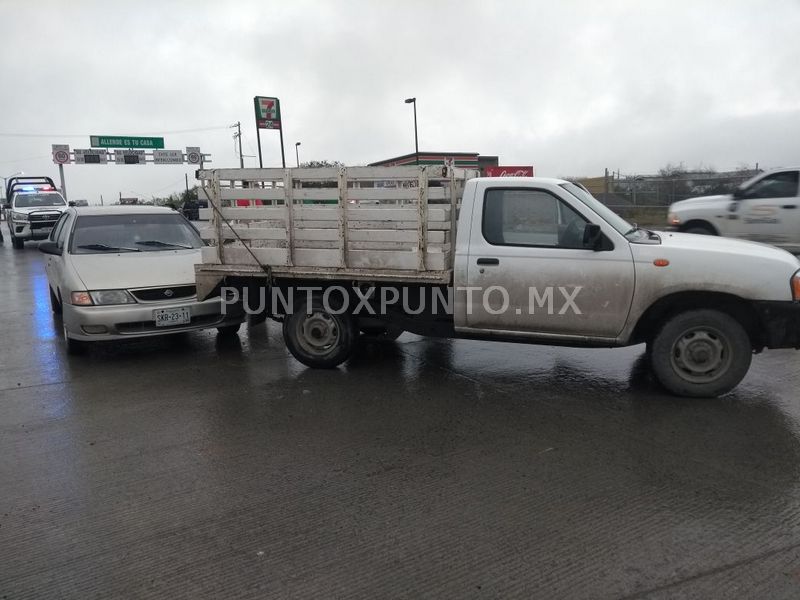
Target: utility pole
{"points": [[186, 177], [238, 135]]}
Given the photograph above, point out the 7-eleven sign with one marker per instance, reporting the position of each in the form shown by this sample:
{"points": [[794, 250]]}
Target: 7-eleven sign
{"points": [[268, 112]]}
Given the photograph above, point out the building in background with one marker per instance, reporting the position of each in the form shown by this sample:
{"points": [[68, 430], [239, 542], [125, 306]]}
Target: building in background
{"points": [[463, 160]]}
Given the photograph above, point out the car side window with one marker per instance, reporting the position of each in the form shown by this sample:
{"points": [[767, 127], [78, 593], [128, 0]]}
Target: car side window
{"points": [[64, 231], [58, 227], [775, 185], [530, 217]]}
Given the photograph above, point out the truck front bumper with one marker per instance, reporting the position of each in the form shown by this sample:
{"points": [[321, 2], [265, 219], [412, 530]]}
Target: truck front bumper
{"points": [[781, 323], [24, 230]]}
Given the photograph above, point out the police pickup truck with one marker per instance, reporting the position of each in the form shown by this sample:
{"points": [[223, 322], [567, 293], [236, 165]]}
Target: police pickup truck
{"points": [[33, 205], [764, 209]]}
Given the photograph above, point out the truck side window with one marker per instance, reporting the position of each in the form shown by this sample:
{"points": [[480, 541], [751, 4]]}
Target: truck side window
{"points": [[526, 217], [776, 185]]}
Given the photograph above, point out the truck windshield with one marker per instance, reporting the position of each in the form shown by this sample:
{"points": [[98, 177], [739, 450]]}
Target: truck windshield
{"points": [[608, 215], [36, 200], [98, 234]]}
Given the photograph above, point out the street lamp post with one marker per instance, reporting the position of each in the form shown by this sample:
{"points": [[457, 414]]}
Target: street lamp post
{"points": [[416, 139], [297, 152]]}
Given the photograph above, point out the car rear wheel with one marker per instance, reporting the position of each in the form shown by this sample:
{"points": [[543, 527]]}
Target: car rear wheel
{"points": [[699, 230], [701, 353]]}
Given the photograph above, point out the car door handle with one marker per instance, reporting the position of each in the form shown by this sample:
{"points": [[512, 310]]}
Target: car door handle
{"points": [[789, 206], [488, 261]]}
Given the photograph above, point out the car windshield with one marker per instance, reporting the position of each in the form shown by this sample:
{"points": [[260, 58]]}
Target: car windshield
{"points": [[601, 209], [37, 200], [99, 234]]}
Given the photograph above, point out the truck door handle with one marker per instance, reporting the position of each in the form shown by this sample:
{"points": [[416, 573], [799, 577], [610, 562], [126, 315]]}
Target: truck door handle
{"points": [[488, 261], [789, 206]]}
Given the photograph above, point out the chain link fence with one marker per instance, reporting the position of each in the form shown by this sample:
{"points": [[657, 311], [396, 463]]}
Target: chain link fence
{"points": [[645, 199]]}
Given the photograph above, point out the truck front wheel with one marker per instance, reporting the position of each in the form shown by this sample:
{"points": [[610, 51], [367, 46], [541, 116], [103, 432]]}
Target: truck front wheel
{"points": [[319, 338], [701, 353]]}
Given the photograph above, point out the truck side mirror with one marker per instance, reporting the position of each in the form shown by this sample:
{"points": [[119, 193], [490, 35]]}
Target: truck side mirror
{"points": [[7, 206], [592, 236]]}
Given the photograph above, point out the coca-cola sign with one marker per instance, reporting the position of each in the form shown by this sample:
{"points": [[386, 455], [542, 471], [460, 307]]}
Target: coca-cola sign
{"points": [[509, 171]]}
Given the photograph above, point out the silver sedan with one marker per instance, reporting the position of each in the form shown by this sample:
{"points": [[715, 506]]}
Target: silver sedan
{"points": [[128, 271]]}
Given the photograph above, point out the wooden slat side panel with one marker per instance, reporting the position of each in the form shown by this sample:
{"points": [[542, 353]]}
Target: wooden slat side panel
{"points": [[253, 194]]}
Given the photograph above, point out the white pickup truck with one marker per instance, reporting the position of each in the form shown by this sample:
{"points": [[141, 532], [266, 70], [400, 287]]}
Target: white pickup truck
{"points": [[764, 209], [432, 251]]}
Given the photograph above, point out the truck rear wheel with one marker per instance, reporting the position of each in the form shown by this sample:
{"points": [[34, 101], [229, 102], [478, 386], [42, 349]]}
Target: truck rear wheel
{"points": [[318, 338], [701, 353]]}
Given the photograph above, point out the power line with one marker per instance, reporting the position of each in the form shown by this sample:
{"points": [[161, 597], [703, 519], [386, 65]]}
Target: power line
{"points": [[18, 160], [83, 135]]}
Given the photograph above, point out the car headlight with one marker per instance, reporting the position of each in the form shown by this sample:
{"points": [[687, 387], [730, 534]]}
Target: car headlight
{"points": [[673, 219], [18, 216], [102, 297]]}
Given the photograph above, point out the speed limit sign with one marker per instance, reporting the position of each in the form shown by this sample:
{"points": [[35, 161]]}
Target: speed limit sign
{"points": [[61, 154], [193, 155]]}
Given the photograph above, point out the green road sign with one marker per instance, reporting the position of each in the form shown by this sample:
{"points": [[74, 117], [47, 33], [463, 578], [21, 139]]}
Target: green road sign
{"points": [[124, 141]]}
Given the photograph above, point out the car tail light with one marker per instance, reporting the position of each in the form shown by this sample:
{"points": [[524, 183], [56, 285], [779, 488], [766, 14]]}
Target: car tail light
{"points": [[796, 286]]}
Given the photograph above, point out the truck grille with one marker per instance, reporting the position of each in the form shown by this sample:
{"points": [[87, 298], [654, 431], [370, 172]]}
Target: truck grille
{"points": [[165, 294]]}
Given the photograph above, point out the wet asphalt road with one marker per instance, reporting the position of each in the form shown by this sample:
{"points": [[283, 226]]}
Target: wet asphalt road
{"points": [[188, 467]]}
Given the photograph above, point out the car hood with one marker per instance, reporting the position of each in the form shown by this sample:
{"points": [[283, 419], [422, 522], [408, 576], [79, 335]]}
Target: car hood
{"points": [[701, 202], [128, 270]]}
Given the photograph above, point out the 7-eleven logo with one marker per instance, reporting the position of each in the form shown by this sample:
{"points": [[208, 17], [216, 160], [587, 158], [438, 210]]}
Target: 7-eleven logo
{"points": [[268, 108]]}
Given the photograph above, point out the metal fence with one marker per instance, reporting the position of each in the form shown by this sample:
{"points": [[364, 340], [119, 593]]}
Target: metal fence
{"points": [[663, 189]]}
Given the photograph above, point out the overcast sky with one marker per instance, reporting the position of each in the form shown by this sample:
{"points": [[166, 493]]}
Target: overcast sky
{"points": [[569, 87]]}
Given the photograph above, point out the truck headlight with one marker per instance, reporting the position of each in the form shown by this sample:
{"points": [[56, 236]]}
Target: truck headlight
{"points": [[673, 219], [104, 297], [18, 216]]}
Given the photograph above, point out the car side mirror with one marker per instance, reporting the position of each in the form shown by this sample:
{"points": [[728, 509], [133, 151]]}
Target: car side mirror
{"points": [[739, 193], [50, 248], [592, 236]]}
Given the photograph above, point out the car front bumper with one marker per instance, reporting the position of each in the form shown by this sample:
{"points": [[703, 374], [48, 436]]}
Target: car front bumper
{"points": [[98, 323], [780, 323]]}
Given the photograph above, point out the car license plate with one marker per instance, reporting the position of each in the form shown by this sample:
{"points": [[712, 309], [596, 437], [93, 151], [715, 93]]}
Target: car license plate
{"points": [[165, 317]]}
